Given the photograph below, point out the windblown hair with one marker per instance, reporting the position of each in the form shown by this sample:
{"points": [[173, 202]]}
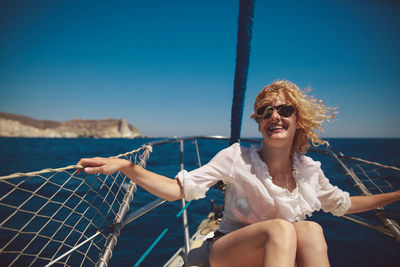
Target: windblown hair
{"points": [[310, 112]]}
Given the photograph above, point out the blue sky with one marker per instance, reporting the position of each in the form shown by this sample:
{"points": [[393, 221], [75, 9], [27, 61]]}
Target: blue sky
{"points": [[168, 66]]}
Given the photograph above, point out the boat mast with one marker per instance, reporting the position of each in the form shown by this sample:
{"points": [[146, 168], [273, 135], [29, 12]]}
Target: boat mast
{"points": [[245, 24]]}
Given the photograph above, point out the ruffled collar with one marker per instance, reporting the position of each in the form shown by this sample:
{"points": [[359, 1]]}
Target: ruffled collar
{"points": [[262, 171], [302, 201]]}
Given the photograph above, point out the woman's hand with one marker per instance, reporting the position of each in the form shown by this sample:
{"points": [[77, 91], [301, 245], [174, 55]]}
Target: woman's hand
{"points": [[156, 184], [103, 165]]}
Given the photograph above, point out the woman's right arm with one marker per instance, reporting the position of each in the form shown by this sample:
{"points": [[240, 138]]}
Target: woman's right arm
{"points": [[156, 184]]}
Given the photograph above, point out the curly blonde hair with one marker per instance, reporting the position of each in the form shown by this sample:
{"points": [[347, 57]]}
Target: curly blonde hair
{"points": [[310, 112]]}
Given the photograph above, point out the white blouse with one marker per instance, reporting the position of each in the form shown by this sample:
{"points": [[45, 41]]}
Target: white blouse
{"points": [[251, 196]]}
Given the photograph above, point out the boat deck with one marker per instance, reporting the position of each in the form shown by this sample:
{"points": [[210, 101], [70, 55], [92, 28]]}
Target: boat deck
{"points": [[198, 255]]}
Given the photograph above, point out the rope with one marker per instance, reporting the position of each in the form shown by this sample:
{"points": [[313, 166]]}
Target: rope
{"points": [[369, 162], [49, 170], [160, 236], [143, 147], [372, 226]]}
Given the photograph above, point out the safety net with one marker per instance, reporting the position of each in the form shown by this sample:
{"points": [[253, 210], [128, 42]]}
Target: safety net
{"points": [[370, 177], [60, 216]]}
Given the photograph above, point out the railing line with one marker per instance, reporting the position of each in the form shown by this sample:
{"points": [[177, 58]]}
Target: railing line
{"points": [[216, 137], [143, 210], [144, 147]]}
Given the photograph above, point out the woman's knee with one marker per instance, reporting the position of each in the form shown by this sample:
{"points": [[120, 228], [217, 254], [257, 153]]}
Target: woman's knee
{"points": [[310, 234], [308, 227], [278, 227], [280, 233]]}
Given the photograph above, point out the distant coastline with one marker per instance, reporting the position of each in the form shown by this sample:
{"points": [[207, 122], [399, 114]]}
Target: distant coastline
{"points": [[14, 125]]}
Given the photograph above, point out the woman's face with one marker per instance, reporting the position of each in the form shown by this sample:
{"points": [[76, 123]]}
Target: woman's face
{"points": [[278, 130]]}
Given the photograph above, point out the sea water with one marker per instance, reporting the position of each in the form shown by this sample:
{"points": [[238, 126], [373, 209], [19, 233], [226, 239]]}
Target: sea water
{"points": [[349, 243]]}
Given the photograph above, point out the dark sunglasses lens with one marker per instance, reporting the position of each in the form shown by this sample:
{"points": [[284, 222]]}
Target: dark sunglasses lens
{"points": [[268, 115], [286, 111], [265, 112], [283, 110], [261, 111]]}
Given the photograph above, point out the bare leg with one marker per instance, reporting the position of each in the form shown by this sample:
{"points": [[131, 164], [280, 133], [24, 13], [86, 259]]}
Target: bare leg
{"points": [[267, 243], [311, 245]]}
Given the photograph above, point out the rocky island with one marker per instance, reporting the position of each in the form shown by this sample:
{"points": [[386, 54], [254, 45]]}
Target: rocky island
{"points": [[12, 125]]}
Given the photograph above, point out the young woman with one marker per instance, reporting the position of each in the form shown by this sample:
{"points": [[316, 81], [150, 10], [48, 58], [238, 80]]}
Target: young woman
{"points": [[270, 189]]}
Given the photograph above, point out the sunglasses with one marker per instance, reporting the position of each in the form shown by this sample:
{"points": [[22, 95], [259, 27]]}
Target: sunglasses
{"points": [[283, 110]]}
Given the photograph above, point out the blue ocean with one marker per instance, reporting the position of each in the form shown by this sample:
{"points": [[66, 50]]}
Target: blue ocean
{"points": [[349, 243]]}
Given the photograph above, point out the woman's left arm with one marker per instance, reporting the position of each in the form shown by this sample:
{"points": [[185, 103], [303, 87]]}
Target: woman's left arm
{"points": [[370, 202]]}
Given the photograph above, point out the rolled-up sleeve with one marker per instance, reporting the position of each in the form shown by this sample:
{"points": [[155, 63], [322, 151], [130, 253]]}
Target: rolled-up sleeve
{"points": [[197, 182], [333, 199]]}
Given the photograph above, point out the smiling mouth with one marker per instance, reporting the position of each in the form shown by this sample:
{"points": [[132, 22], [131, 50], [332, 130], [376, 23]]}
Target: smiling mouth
{"points": [[277, 128]]}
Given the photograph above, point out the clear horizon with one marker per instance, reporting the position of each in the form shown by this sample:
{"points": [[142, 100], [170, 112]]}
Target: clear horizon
{"points": [[168, 67]]}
